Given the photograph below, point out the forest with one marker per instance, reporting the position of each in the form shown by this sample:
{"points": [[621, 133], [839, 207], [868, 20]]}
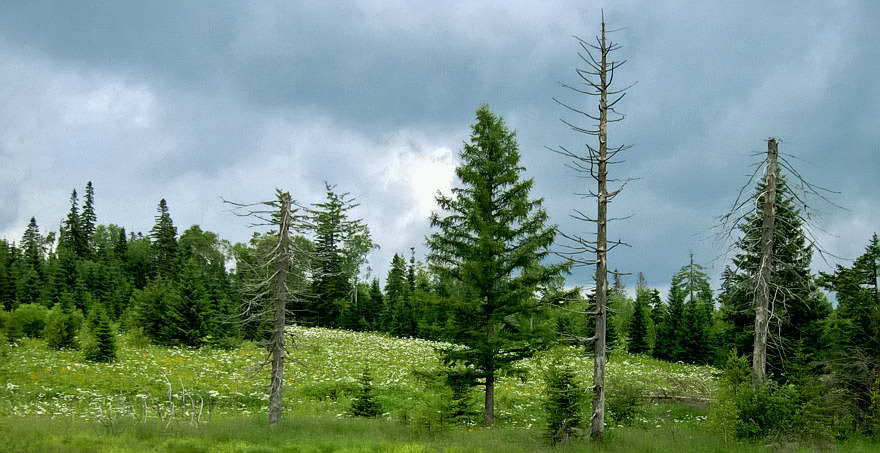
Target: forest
{"points": [[80, 287], [786, 363]]}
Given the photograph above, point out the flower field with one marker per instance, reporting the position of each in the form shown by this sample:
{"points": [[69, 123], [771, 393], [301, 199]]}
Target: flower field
{"points": [[320, 376]]}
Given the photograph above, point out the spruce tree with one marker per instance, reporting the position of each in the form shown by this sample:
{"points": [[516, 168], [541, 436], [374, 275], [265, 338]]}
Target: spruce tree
{"points": [[72, 239], [163, 242], [492, 238], [637, 337], [88, 218], [340, 245], [364, 403], [192, 314], [102, 343], [797, 310], [852, 335]]}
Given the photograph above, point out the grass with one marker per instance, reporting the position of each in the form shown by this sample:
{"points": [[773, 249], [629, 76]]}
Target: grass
{"points": [[209, 400]]}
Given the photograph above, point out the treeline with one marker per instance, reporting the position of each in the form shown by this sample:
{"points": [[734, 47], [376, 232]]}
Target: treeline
{"points": [[78, 286]]}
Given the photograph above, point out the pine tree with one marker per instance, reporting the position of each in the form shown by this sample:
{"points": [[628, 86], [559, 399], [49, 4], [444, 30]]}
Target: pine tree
{"points": [[398, 311], [152, 308], [32, 247], [492, 239], [637, 339], [340, 245], [193, 316], [72, 239], [853, 332], [364, 403], [102, 344], [163, 241], [88, 218], [670, 335]]}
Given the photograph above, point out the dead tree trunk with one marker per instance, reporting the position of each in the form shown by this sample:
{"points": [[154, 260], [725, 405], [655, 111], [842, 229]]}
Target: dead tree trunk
{"points": [[765, 271], [598, 419], [280, 297], [598, 79]]}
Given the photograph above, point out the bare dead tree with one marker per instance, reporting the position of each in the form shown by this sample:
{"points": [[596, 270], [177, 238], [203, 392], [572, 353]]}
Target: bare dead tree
{"points": [[272, 287], [596, 80], [762, 282], [765, 271]]}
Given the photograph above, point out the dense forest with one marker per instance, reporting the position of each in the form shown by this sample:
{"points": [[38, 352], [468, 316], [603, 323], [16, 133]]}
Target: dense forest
{"points": [[77, 287]]}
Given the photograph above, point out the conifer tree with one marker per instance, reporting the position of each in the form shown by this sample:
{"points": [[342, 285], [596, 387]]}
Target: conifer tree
{"points": [[638, 328], [492, 238], [193, 315], [88, 218], [852, 358], [163, 241], [102, 342], [340, 246]]}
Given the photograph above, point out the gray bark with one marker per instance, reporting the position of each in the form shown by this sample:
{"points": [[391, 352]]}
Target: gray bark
{"points": [[765, 272], [598, 418], [280, 296]]}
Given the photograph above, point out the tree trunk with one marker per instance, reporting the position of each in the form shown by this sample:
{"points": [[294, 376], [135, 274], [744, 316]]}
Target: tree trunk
{"points": [[279, 283], [489, 404], [765, 272], [598, 419]]}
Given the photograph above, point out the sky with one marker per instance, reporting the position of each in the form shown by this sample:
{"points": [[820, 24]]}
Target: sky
{"points": [[200, 101]]}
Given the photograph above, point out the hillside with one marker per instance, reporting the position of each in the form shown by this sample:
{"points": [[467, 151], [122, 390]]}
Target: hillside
{"points": [[320, 379]]}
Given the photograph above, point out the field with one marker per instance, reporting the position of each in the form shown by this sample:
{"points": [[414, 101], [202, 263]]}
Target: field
{"points": [[172, 399]]}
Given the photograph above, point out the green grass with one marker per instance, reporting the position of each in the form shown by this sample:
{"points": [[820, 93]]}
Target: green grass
{"points": [[54, 401]]}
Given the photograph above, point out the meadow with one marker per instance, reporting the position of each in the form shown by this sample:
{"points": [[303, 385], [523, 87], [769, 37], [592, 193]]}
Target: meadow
{"points": [[177, 399]]}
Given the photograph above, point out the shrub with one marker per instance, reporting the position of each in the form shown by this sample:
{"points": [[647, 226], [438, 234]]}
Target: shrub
{"points": [[364, 403], [563, 401], [624, 404], [29, 320], [792, 410], [61, 328]]}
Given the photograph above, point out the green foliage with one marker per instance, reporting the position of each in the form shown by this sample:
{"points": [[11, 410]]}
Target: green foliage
{"points": [[624, 403], [563, 403], [100, 345], [799, 310], [492, 239], [794, 410], [29, 320], [637, 337], [152, 307], [61, 328], [364, 403], [163, 241], [341, 244]]}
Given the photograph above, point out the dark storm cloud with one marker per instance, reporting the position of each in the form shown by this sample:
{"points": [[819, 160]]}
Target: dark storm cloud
{"points": [[193, 101]]}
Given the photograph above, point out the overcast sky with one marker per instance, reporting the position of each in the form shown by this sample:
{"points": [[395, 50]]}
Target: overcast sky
{"points": [[197, 101]]}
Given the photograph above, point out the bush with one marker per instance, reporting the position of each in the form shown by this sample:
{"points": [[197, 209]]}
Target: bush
{"points": [[61, 328], [365, 404], [771, 410], [29, 320], [624, 404], [563, 403]]}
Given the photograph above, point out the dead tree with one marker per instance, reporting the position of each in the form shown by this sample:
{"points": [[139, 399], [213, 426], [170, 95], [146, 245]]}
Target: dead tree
{"points": [[778, 209], [596, 81], [765, 271], [268, 289]]}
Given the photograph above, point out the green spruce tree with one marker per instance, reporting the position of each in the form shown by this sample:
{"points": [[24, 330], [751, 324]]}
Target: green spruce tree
{"points": [[492, 238]]}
